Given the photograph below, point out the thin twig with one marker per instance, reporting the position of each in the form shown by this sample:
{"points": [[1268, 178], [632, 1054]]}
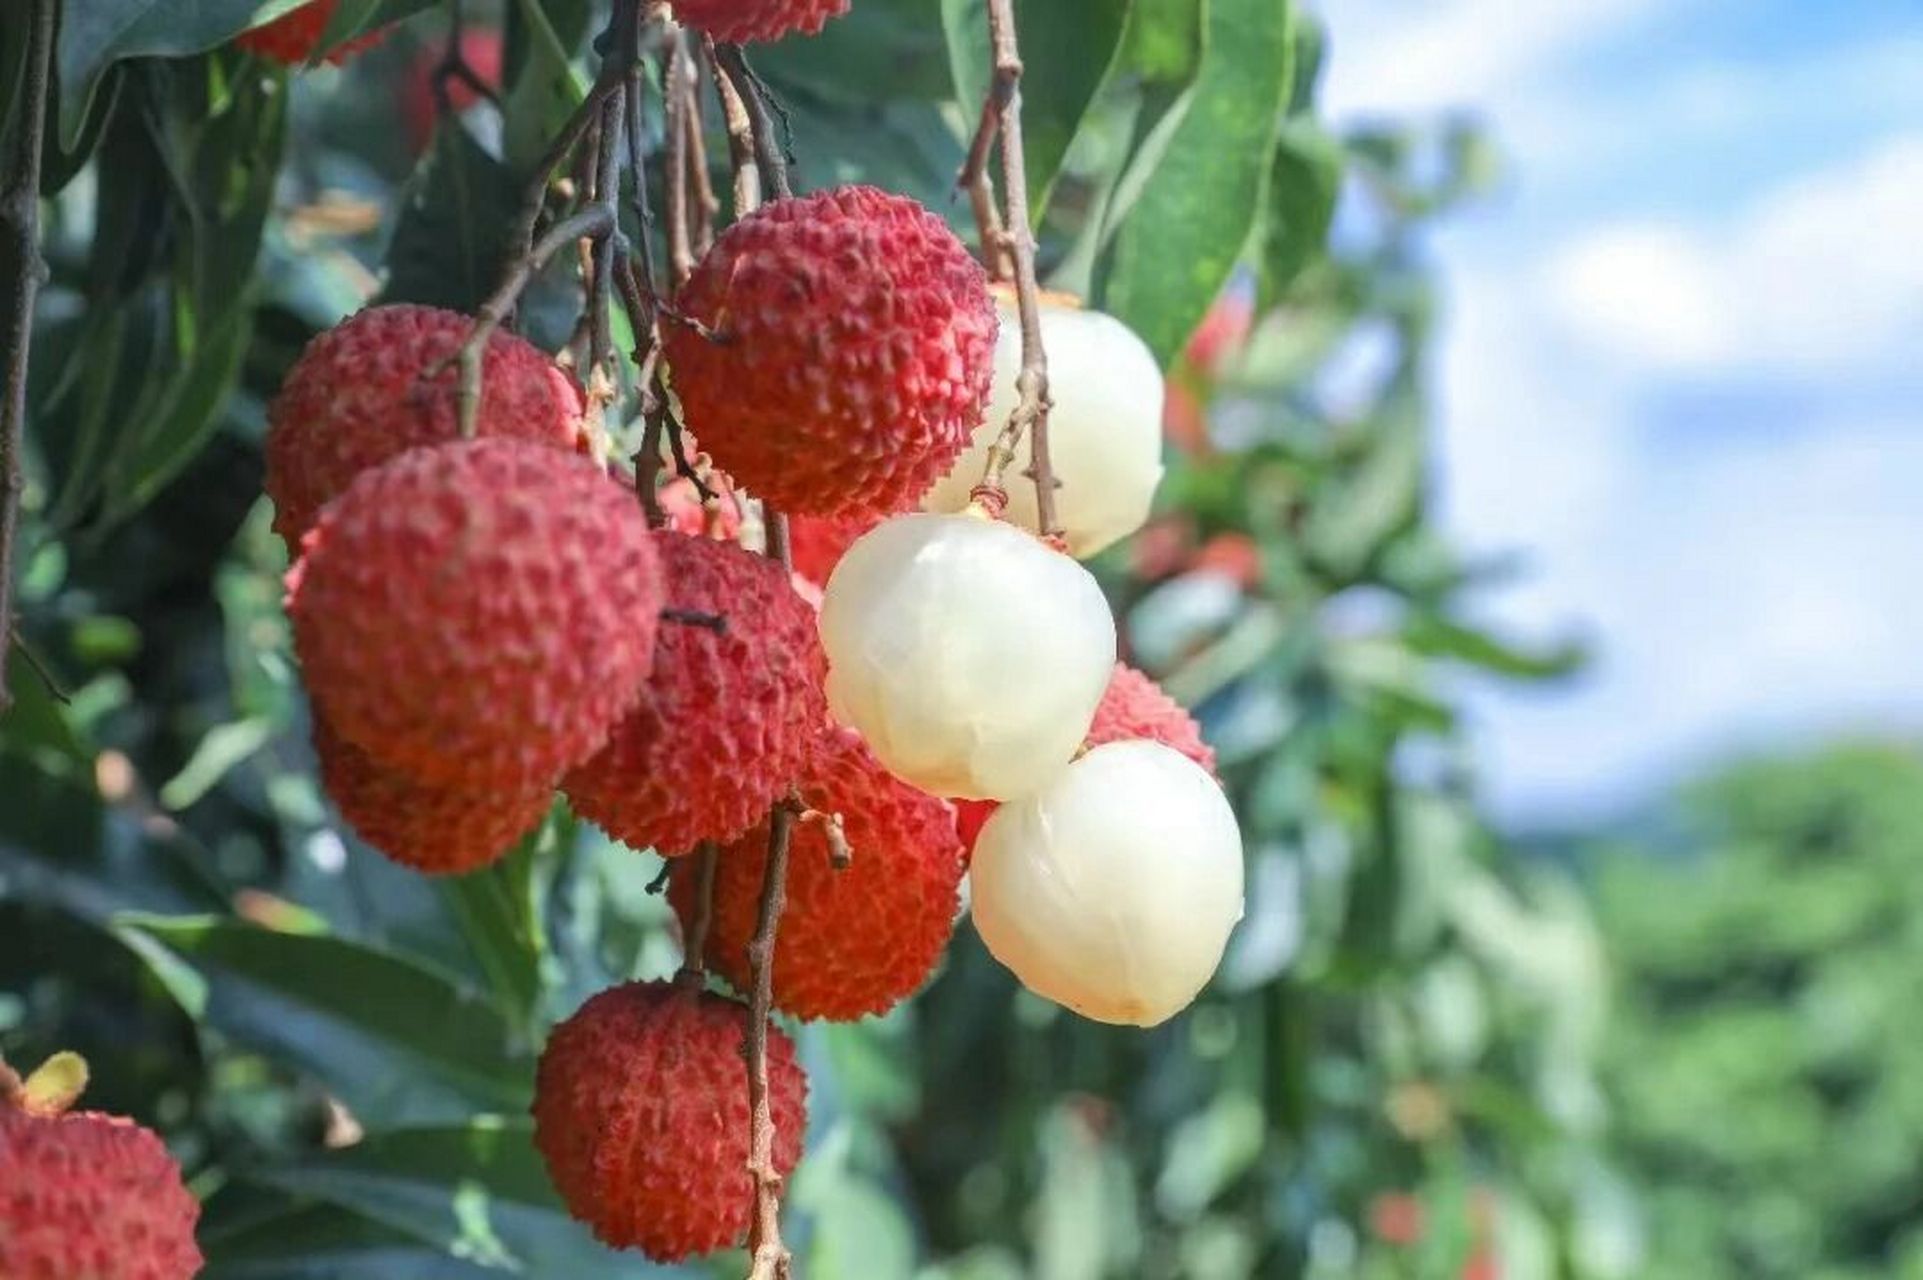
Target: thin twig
{"points": [[607, 195], [770, 1255], [742, 154], [454, 66], [21, 272], [770, 157], [694, 951], [1031, 384], [39, 669], [678, 88], [638, 167], [980, 186]]}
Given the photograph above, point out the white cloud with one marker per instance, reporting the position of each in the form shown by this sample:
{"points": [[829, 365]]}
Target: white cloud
{"points": [[1817, 275]]}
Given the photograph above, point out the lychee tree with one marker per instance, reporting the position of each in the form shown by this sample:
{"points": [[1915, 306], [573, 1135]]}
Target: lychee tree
{"points": [[555, 543]]}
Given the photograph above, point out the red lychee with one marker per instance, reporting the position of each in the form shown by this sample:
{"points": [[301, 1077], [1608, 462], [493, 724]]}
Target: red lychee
{"points": [[292, 38], [731, 715], [687, 513], [815, 543], [481, 52], [84, 1194], [641, 1112], [854, 940], [435, 829], [746, 21], [843, 355], [1133, 706], [477, 614], [378, 384]]}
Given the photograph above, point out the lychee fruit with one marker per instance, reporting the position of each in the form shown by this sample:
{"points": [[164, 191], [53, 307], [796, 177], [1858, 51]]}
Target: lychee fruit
{"points": [[1113, 890], [689, 513], [292, 38], [840, 353], [732, 713], [84, 1194], [853, 940], [477, 614], [480, 49], [748, 21], [379, 383], [435, 829], [967, 653], [817, 543], [1133, 706], [1104, 431], [641, 1112]]}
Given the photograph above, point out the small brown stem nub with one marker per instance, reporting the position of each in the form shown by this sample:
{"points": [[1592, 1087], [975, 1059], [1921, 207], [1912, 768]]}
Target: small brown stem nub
{"points": [[1031, 384], [841, 855]]}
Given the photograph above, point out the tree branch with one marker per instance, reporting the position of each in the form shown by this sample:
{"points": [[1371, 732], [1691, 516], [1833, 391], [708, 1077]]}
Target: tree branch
{"points": [[1031, 384], [769, 156], [21, 274], [770, 1256]]}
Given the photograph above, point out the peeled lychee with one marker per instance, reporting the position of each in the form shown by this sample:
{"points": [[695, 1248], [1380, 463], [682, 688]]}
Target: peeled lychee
{"points": [[746, 21], [966, 652], [436, 829], [843, 352], [477, 614], [1113, 890], [641, 1112], [1104, 431], [853, 940], [728, 719], [377, 384], [87, 1196], [292, 38]]}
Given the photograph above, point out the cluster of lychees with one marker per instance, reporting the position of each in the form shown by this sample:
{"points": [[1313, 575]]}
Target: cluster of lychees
{"points": [[486, 618]]}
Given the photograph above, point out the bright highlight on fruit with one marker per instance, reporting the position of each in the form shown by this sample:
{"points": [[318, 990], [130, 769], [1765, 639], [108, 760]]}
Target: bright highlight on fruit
{"points": [[641, 1112], [83, 1194], [1113, 890], [840, 352], [1104, 432], [967, 653]]}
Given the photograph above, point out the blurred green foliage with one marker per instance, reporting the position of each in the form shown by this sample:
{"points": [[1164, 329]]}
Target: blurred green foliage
{"points": [[1769, 1084], [1393, 1076]]}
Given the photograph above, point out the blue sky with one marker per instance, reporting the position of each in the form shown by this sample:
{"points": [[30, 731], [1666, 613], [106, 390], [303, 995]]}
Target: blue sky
{"points": [[1683, 368]]}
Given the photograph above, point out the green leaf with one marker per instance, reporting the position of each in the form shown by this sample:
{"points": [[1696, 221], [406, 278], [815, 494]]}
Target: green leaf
{"points": [[1185, 230], [450, 241], [476, 1191], [1072, 50], [879, 49], [494, 909], [1302, 192], [357, 17], [349, 1013], [1439, 637]]}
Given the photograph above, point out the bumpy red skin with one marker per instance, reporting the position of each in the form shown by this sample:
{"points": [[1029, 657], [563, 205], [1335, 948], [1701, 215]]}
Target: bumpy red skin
{"points": [[478, 614], [729, 719], [816, 544], [94, 1196], [1133, 707], [853, 941], [641, 1112], [850, 342], [746, 21], [291, 38], [361, 393], [437, 830]]}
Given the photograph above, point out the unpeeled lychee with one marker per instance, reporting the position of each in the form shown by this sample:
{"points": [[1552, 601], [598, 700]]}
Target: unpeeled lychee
{"points": [[853, 940], [379, 383], [87, 1196], [816, 543], [732, 712], [477, 614], [641, 1112], [480, 49], [436, 829], [841, 353], [745, 21], [292, 38], [1132, 707]]}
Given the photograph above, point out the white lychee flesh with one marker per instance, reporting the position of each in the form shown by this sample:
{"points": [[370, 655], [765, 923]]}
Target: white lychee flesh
{"points": [[1104, 432], [1113, 890], [969, 654]]}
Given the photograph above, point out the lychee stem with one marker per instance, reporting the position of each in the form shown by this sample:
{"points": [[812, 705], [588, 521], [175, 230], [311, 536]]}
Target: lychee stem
{"points": [[54, 1086], [1001, 119], [694, 959]]}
